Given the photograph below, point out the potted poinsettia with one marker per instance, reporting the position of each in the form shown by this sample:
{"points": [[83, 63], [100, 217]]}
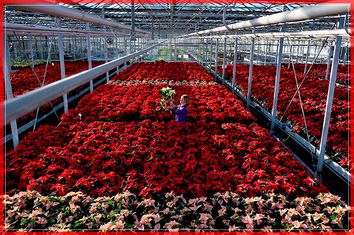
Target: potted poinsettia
{"points": [[167, 94]]}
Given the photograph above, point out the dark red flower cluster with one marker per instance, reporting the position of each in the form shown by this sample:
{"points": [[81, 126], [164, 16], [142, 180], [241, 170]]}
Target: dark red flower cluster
{"points": [[319, 70], [25, 80], [313, 94], [142, 102], [122, 141], [149, 158], [161, 70]]}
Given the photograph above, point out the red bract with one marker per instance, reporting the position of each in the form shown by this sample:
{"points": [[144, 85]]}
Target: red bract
{"points": [[161, 70], [142, 102], [25, 80], [122, 141], [157, 157], [313, 94]]}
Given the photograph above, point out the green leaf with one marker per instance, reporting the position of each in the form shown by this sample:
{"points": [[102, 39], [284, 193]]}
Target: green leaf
{"points": [[110, 203], [24, 222], [78, 224], [53, 199]]}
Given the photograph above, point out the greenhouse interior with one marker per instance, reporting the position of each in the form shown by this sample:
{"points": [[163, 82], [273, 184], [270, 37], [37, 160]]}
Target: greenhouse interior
{"points": [[177, 116]]}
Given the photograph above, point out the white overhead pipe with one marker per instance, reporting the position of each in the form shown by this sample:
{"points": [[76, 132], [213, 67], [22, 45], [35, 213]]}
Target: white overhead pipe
{"points": [[11, 28], [300, 14], [61, 11], [303, 34], [26, 103]]}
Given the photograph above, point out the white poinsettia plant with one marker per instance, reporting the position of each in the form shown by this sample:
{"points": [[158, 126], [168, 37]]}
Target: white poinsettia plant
{"points": [[167, 96]]}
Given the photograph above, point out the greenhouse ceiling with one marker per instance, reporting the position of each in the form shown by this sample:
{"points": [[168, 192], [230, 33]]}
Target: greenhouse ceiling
{"points": [[170, 20]]}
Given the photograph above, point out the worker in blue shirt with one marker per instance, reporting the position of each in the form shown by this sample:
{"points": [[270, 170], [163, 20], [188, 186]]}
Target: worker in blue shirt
{"points": [[181, 110]]}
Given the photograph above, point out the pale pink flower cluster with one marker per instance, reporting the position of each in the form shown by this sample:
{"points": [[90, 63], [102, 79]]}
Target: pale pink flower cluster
{"points": [[126, 211]]}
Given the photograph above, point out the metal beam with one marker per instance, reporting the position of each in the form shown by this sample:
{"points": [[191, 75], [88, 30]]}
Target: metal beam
{"points": [[89, 56], [300, 34], [31, 51], [277, 82], [44, 30], [234, 66], [307, 55], [330, 97], [105, 46], [211, 53], [25, 103], [216, 55], [329, 60], [249, 86], [8, 91], [300, 14], [266, 53], [290, 55], [224, 62], [62, 67], [61, 11]]}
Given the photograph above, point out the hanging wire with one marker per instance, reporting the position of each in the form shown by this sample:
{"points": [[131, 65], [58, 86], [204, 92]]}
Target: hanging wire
{"points": [[298, 86], [38, 80], [44, 77], [301, 105], [324, 43]]}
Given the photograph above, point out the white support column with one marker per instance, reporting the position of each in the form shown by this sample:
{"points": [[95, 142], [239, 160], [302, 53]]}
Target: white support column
{"points": [[36, 47], [211, 53], [130, 46], [200, 51], [206, 59], [62, 65], [307, 55], [301, 52], [31, 51], [8, 90], [15, 50], [277, 81], [125, 46], [216, 55], [89, 57], [249, 86], [106, 54], [345, 55], [75, 48], [330, 96], [290, 54], [205, 52], [79, 46], [41, 46], [329, 60], [258, 51], [224, 61], [175, 50], [105, 45], [297, 52], [234, 65], [314, 54], [117, 48], [266, 53]]}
